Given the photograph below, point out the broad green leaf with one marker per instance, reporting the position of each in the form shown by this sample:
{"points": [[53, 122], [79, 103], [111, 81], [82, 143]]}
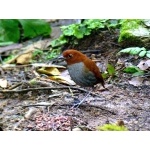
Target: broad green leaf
{"points": [[142, 53], [126, 50], [132, 69], [148, 54], [34, 27], [132, 50], [9, 30], [135, 51]]}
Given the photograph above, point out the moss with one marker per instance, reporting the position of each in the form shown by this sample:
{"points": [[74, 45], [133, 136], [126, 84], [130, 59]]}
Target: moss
{"points": [[126, 26], [111, 127], [131, 24], [132, 32]]}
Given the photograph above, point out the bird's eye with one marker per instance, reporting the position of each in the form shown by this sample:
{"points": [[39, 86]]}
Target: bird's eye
{"points": [[70, 56]]}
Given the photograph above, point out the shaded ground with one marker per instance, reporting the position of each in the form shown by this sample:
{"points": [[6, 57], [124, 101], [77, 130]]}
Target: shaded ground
{"points": [[121, 102]]}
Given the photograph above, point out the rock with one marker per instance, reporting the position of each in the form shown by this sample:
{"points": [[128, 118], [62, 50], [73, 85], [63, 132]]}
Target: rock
{"points": [[135, 32]]}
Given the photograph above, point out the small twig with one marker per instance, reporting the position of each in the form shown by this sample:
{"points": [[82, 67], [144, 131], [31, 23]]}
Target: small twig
{"points": [[10, 47], [71, 91], [82, 105], [54, 95], [14, 86], [1, 71], [47, 88]]}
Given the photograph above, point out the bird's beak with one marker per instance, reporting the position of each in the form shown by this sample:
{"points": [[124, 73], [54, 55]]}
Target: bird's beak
{"points": [[61, 57]]}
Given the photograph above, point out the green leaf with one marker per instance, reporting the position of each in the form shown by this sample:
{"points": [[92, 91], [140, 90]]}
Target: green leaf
{"points": [[9, 30], [6, 43], [140, 73], [132, 69], [95, 23], [34, 27], [142, 53], [132, 50], [148, 54], [135, 51], [78, 33], [126, 50], [110, 69], [70, 29]]}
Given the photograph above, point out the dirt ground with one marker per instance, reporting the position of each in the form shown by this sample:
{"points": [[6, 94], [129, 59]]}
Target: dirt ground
{"points": [[47, 105]]}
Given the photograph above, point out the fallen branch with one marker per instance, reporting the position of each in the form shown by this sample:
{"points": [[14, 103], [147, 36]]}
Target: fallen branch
{"points": [[48, 88]]}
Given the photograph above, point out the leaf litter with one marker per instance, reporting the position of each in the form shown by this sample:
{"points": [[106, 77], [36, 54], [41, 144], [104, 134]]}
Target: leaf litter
{"points": [[129, 102]]}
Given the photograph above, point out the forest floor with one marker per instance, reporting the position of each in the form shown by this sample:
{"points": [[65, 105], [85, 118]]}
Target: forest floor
{"points": [[47, 105]]}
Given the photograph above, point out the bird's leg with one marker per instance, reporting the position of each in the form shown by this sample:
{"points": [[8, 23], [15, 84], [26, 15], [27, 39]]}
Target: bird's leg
{"points": [[83, 100]]}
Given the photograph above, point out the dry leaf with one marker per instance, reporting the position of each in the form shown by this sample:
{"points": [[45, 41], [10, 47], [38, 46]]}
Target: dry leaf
{"points": [[3, 83], [62, 79], [24, 58], [144, 65], [136, 81], [49, 71], [30, 112]]}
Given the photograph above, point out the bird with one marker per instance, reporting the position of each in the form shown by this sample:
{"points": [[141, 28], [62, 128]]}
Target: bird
{"points": [[83, 71]]}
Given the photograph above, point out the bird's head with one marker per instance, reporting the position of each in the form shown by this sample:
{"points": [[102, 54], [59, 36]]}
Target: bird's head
{"points": [[73, 56]]}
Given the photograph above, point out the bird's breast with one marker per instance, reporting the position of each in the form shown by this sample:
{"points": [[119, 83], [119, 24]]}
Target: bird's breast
{"points": [[82, 75]]}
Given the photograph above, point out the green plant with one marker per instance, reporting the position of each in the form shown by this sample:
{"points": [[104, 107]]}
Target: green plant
{"points": [[14, 30], [72, 33], [136, 51], [134, 70], [53, 54], [109, 72], [34, 27], [111, 127], [9, 30]]}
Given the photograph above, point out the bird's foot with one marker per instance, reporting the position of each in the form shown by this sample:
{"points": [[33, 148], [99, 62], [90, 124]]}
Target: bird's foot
{"points": [[76, 105]]}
